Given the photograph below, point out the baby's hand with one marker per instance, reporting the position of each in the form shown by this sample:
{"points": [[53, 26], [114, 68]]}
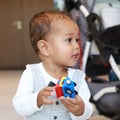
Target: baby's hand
{"points": [[75, 106], [43, 95]]}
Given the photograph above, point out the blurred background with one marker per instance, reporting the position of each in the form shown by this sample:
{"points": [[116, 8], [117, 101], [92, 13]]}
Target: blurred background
{"points": [[15, 48]]}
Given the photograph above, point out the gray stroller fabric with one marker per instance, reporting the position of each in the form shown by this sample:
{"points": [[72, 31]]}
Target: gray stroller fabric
{"points": [[109, 103]]}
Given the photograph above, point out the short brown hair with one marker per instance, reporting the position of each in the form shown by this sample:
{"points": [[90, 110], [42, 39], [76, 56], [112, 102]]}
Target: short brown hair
{"points": [[40, 25]]}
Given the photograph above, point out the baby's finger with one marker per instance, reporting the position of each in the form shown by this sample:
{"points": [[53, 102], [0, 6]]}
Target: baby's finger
{"points": [[48, 101], [48, 91]]}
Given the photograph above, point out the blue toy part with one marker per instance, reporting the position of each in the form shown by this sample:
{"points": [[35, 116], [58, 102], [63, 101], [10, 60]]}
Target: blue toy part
{"points": [[68, 88]]}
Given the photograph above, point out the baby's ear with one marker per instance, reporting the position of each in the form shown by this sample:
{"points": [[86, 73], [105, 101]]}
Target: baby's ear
{"points": [[43, 47]]}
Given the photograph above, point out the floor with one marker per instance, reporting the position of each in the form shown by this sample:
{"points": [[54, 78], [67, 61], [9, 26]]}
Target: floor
{"points": [[8, 83]]}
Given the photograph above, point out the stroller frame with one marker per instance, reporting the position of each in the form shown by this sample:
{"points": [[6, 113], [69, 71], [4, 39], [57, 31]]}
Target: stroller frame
{"points": [[91, 38]]}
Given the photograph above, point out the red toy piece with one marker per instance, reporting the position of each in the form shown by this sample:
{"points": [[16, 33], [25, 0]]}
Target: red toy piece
{"points": [[58, 90]]}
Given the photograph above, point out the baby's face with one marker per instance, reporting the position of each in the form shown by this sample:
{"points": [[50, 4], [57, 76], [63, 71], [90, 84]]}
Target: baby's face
{"points": [[64, 42]]}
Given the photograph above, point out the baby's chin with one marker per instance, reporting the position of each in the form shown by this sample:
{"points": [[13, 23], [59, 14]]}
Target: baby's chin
{"points": [[76, 66], [71, 66]]}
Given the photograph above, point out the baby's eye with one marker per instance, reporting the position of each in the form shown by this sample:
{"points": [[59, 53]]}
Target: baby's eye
{"points": [[69, 39], [77, 40]]}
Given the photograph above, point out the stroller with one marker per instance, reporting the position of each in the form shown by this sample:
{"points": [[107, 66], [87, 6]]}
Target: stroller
{"points": [[105, 95]]}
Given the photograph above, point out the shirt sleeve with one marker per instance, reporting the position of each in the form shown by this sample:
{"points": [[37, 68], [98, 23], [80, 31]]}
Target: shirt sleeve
{"points": [[25, 99], [84, 93]]}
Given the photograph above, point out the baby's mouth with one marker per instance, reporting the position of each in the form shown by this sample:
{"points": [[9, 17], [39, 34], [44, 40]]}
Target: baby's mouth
{"points": [[76, 56]]}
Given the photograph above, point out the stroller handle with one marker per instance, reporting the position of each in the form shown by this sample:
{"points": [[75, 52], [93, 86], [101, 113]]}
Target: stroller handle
{"points": [[81, 7], [93, 20]]}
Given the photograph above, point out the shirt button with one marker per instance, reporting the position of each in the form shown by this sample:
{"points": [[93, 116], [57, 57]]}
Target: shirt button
{"points": [[55, 117], [57, 102]]}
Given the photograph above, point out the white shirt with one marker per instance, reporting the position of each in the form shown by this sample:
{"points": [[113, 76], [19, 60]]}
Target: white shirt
{"points": [[25, 99]]}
